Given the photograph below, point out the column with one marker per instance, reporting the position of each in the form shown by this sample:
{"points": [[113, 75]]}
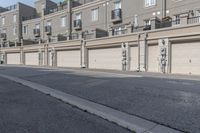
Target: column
{"points": [[142, 45]]}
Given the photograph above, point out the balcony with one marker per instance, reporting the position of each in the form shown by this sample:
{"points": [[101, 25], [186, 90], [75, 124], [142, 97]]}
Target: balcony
{"points": [[119, 32], [194, 20], [48, 30], [3, 36], [36, 32], [116, 15], [78, 24]]}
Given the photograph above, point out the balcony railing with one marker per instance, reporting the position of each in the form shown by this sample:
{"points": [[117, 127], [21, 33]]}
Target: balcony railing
{"points": [[74, 36], [48, 30], [141, 28], [194, 20], [119, 32], [3, 36], [116, 15], [176, 22], [36, 32], [77, 24]]}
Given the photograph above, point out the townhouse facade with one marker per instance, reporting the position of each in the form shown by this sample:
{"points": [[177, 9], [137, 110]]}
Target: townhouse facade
{"points": [[130, 35]]}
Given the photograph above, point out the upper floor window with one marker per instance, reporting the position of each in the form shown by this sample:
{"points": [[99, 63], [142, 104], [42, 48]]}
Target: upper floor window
{"points": [[149, 3], [147, 22], [63, 21], [15, 18], [198, 13], [3, 20], [117, 5], [78, 16], [14, 31], [25, 29], [95, 14], [48, 23], [37, 26]]}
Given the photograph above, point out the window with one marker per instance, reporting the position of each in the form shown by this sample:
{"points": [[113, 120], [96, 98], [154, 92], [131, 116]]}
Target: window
{"points": [[3, 20], [147, 22], [63, 21], [117, 5], [48, 23], [176, 20], [14, 31], [14, 18], [198, 13], [95, 14], [78, 16], [37, 26], [148, 3], [25, 29]]}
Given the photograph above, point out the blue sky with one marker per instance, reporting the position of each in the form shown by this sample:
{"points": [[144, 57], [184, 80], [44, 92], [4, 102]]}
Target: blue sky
{"points": [[5, 3]]}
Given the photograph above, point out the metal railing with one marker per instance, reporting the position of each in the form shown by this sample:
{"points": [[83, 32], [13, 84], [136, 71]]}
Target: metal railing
{"points": [[141, 28], [176, 22], [74, 36], [194, 20], [117, 13], [119, 32]]}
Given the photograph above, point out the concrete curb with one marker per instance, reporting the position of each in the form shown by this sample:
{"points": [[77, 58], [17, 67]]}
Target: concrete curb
{"points": [[130, 122]]}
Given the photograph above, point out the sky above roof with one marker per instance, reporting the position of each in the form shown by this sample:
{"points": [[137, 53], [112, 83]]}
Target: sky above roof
{"points": [[5, 3]]}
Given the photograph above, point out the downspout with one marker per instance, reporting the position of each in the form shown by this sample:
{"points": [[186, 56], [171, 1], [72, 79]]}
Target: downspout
{"points": [[69, 16], [164, 8]]}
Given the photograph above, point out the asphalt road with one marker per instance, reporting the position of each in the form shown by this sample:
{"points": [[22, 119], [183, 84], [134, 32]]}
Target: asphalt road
{"points": [[171, 102], [23, 110]]}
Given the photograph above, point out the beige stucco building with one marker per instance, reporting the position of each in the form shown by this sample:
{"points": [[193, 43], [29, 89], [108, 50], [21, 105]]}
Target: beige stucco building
{"points": [[130, 35]]}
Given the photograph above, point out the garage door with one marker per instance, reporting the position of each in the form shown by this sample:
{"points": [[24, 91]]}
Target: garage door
{"points": [[32, 58], [13, 58], [107, 58], [134, 58], [153, 57], [68, 58], [186, 58]]}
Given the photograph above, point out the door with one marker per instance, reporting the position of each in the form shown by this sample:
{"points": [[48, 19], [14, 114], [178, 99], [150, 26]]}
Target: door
{"points": [[153, 58], [13, 58], [185, 58], [105, 58], [68, 58]]}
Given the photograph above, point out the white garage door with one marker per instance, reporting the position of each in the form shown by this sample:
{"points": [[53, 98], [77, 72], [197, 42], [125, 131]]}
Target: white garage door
{"points": [[69, 58], [107, 58], [186, 58], [134, 58], [153, 57], [32, 58], [13, 58]]}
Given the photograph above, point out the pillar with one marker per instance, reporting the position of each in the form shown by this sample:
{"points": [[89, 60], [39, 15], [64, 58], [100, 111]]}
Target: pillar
{"points": [[142, 46]]}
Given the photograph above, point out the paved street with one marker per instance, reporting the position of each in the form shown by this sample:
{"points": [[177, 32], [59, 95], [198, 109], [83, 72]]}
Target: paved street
{"points": [[23, 110], [171, 102]]}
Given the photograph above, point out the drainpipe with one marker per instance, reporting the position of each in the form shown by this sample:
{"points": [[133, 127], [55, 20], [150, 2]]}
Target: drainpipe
{"points": [[164, 8], [69, 16]]}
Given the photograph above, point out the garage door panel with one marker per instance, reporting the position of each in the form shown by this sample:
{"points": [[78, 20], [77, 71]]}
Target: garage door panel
{"points": [[134, 58], [185, 58], [32, 58], [69, 58], [13, 58], [107, 58], [153, 55]]}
